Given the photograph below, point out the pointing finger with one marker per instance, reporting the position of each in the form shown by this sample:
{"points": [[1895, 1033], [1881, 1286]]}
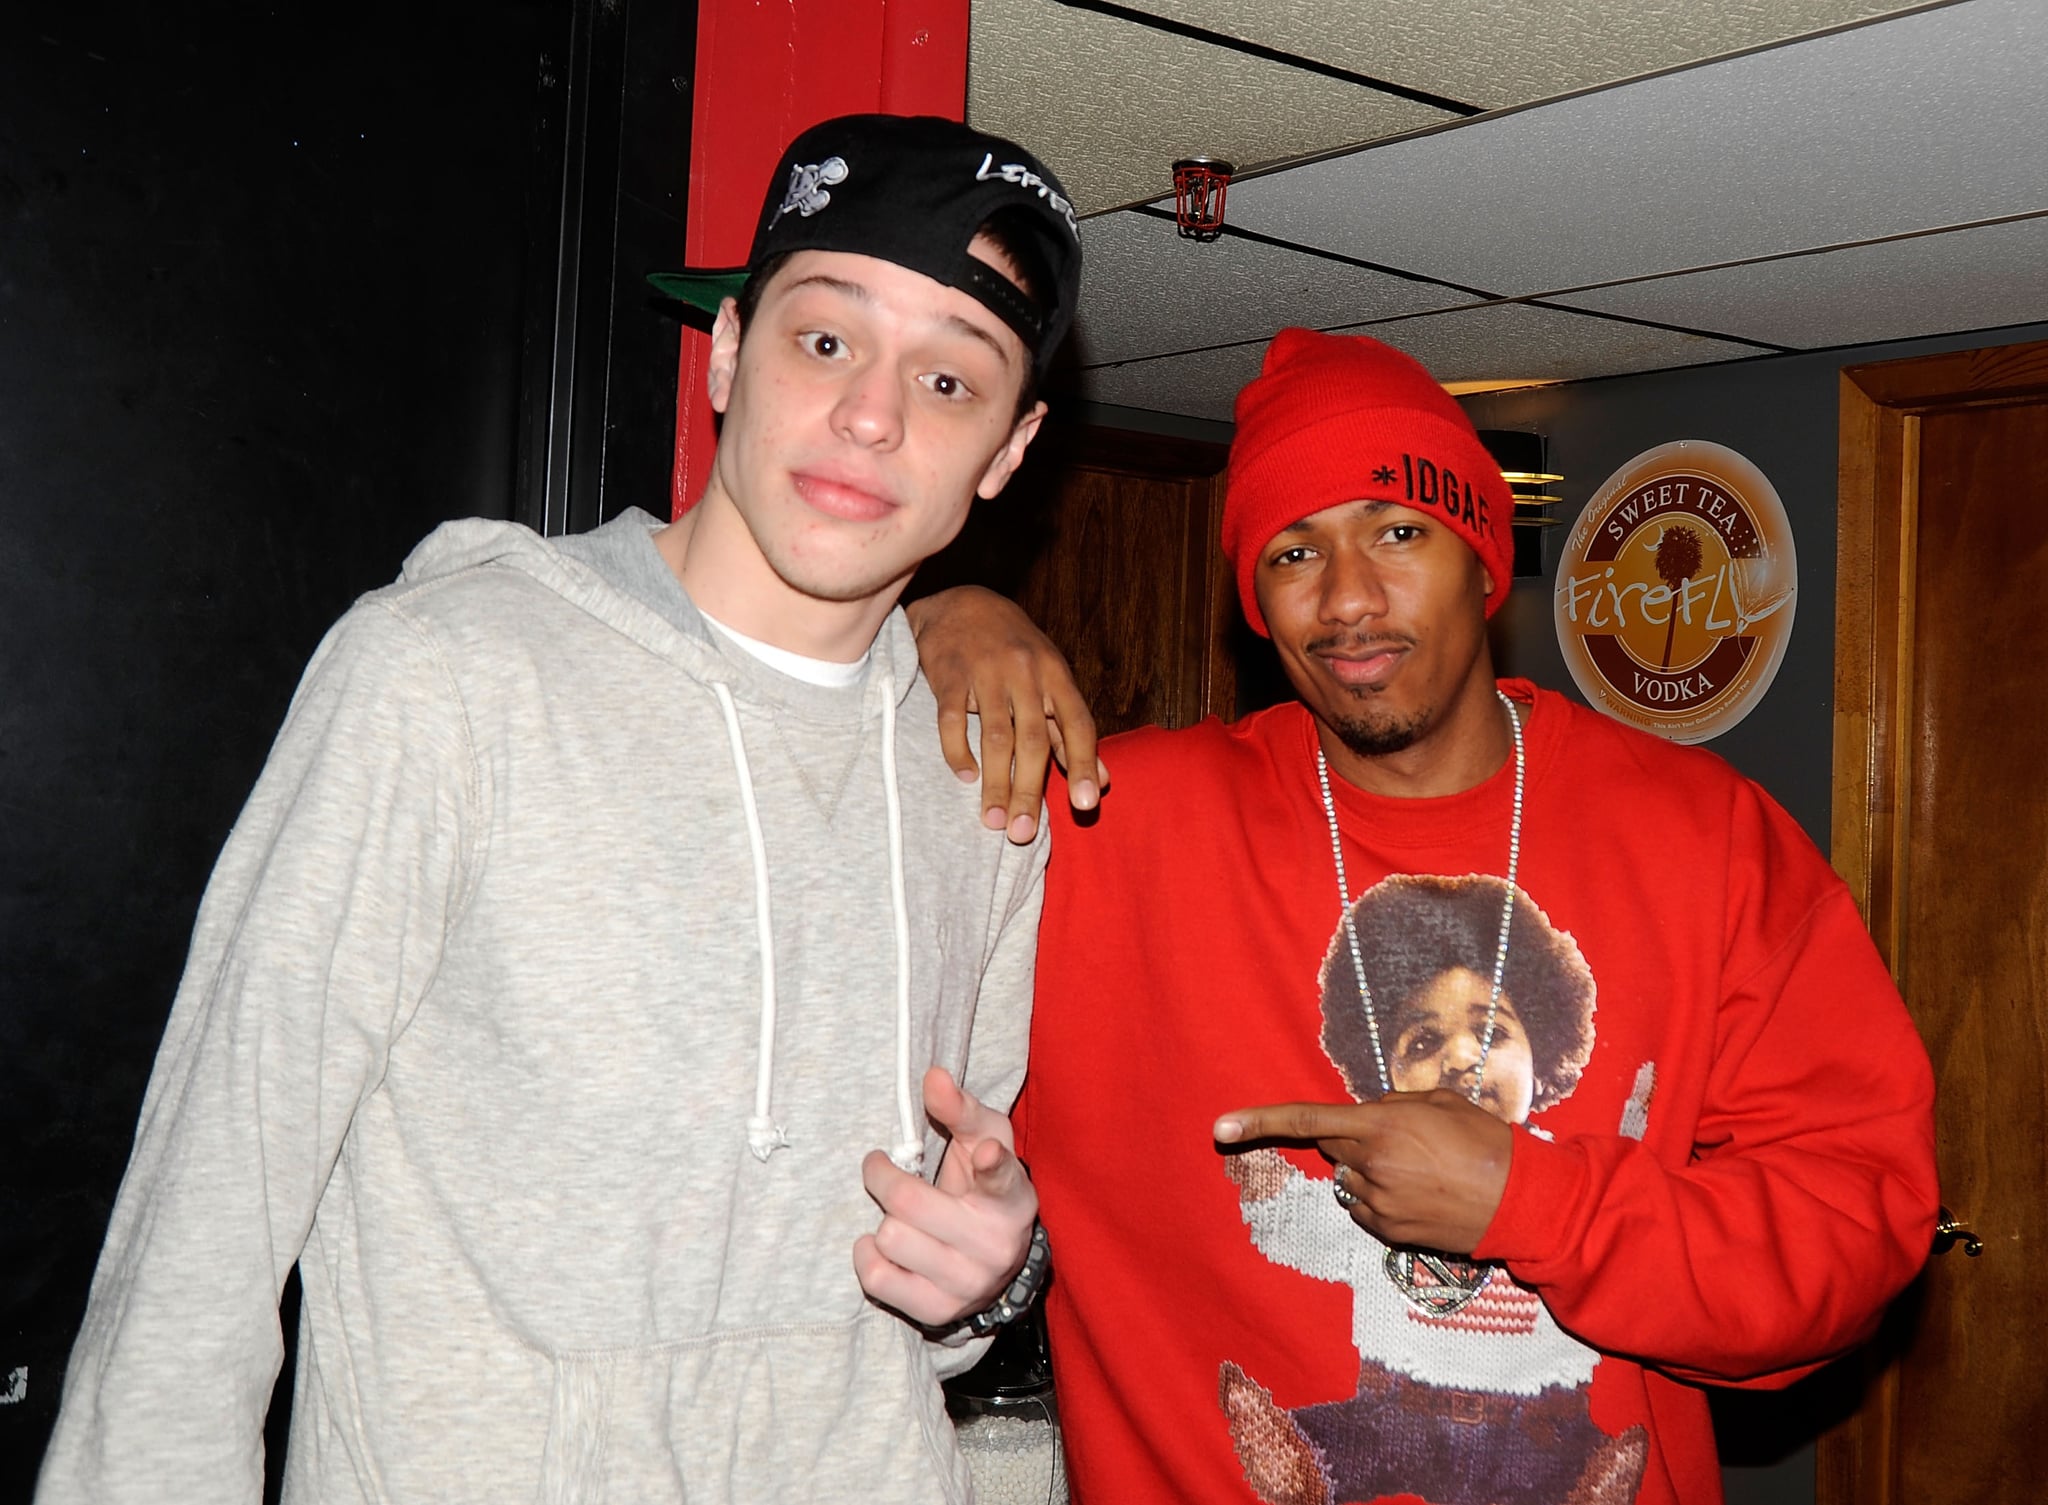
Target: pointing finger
{"points": [[1293, 1121], [959, 1112], [994, 1170]]}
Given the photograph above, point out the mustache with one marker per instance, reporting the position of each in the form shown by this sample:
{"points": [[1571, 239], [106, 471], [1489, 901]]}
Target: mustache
{"points": [[1352, 642]]}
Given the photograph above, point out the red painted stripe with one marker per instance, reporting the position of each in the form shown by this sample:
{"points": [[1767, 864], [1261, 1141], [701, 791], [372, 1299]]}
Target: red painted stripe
{"points": [[766, 71]]}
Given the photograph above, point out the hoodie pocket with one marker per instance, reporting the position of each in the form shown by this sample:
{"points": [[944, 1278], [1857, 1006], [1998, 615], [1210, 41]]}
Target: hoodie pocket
{"points": [[805, 1412]]}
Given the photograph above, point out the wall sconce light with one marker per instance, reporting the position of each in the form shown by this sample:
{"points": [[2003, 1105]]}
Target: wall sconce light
{"points": [[1524, 465], [1199, 185]]}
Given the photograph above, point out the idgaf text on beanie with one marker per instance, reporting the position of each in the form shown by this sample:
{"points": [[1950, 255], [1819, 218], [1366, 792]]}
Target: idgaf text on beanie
{"points": [[1343, 418]]}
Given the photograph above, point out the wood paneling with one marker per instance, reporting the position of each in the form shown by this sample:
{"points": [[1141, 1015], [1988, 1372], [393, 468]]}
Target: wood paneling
{"points": [[1109, 540], [1941, 828]]}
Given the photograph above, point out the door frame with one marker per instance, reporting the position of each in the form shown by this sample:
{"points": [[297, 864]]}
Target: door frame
{"points": [[1877, 520]]}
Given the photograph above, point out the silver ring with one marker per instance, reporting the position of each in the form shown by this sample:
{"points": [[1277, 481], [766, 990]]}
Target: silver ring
{"points": [[1346, 1198]]}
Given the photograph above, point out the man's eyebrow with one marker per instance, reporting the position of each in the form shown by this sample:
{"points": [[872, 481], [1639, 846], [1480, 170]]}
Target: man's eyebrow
{"points": [[860, 293], [968, 326], [854, 290]]}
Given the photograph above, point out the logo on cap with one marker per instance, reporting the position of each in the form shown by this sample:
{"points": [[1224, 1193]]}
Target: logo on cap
{"points": [[1024, 177], [807, 193], [1427, 483]]}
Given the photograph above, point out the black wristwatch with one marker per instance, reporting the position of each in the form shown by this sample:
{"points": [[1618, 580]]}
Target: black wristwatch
{"points": [[1020, 1293]]}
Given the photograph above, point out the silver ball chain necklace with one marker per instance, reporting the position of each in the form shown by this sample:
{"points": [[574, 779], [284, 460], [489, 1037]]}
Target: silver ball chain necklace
{"points": [[1446, 1284], [1507, 909]]}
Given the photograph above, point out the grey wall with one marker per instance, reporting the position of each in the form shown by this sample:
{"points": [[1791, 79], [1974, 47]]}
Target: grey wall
{"points": [[1780, 412]]}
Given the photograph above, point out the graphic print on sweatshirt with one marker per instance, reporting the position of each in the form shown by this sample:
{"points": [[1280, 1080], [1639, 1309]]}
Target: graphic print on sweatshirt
{"points": [[1468, 1392]]}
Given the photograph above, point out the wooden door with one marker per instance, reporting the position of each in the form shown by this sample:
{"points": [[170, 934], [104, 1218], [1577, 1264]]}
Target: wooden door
{"points": [[1941, 828], [1109, 539]]}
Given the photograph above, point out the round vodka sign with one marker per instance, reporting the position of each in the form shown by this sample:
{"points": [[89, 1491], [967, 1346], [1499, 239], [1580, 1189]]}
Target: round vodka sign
{"points": [[1675, 595]]}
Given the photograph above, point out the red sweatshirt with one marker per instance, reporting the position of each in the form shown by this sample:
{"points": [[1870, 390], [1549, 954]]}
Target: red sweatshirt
{"points": [[1726, 1167]]}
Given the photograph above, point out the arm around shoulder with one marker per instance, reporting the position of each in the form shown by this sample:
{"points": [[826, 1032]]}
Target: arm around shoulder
{"points": [[983, 655]]}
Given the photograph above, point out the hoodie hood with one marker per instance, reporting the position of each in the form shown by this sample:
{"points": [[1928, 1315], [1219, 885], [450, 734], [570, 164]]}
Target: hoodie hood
{"points": [[617, 575]]}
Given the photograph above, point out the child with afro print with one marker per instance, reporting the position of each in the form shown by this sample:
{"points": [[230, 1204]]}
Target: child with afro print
{"points": [[1468, 1392]]}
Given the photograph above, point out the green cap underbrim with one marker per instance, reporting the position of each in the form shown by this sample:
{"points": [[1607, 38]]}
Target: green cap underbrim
{"points": [[705, 290]]}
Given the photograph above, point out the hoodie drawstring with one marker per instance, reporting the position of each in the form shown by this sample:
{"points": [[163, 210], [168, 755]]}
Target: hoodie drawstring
{"points": [[908, 1151], [764, 1135]]}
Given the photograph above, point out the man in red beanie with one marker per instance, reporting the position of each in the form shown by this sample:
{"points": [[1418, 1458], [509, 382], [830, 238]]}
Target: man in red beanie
{"points": [[1435, 1083]]}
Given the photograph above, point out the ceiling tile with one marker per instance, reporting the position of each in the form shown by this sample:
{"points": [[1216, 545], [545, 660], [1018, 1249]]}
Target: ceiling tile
{"points": [[1515, 341], [1897, 290], [1506, 341], [1512, 52], [1202, 385], [1911, 124], [1145, 290], [1109, 105]]}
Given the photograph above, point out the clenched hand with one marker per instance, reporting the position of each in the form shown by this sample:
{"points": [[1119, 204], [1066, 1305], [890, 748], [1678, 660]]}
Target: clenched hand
{"points": [[946, 1248]]}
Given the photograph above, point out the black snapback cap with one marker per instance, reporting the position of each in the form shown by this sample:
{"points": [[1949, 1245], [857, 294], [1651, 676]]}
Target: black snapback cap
{"points": [[913, 190]]}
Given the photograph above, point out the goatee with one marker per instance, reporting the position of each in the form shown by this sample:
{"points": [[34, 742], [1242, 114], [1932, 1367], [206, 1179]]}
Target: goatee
{"points": [[1376, 738]]}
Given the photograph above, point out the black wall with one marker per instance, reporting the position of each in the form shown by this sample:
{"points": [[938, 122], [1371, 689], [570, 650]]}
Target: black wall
{"points": [[278, 293]]}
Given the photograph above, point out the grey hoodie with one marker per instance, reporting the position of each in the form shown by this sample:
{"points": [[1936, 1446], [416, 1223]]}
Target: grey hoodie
{"points": [[474, 1027]]}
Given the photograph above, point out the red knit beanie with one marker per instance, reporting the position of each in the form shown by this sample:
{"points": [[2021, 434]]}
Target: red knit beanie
{"points": [[1342, 418]]}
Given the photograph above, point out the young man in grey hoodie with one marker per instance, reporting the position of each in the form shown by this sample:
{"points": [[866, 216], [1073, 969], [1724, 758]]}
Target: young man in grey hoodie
{"points": [[604, 912]]}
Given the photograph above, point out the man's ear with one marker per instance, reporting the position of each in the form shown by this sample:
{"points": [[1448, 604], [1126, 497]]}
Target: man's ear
{"points": [[1482, 576], [1011, 455], [725, 355]]}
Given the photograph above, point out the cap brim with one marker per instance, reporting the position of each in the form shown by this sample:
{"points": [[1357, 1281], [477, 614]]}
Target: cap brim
{"points": [[705, 289]]}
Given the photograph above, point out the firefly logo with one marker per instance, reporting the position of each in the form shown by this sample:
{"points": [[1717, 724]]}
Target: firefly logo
{"points": [[1674, 600]]}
